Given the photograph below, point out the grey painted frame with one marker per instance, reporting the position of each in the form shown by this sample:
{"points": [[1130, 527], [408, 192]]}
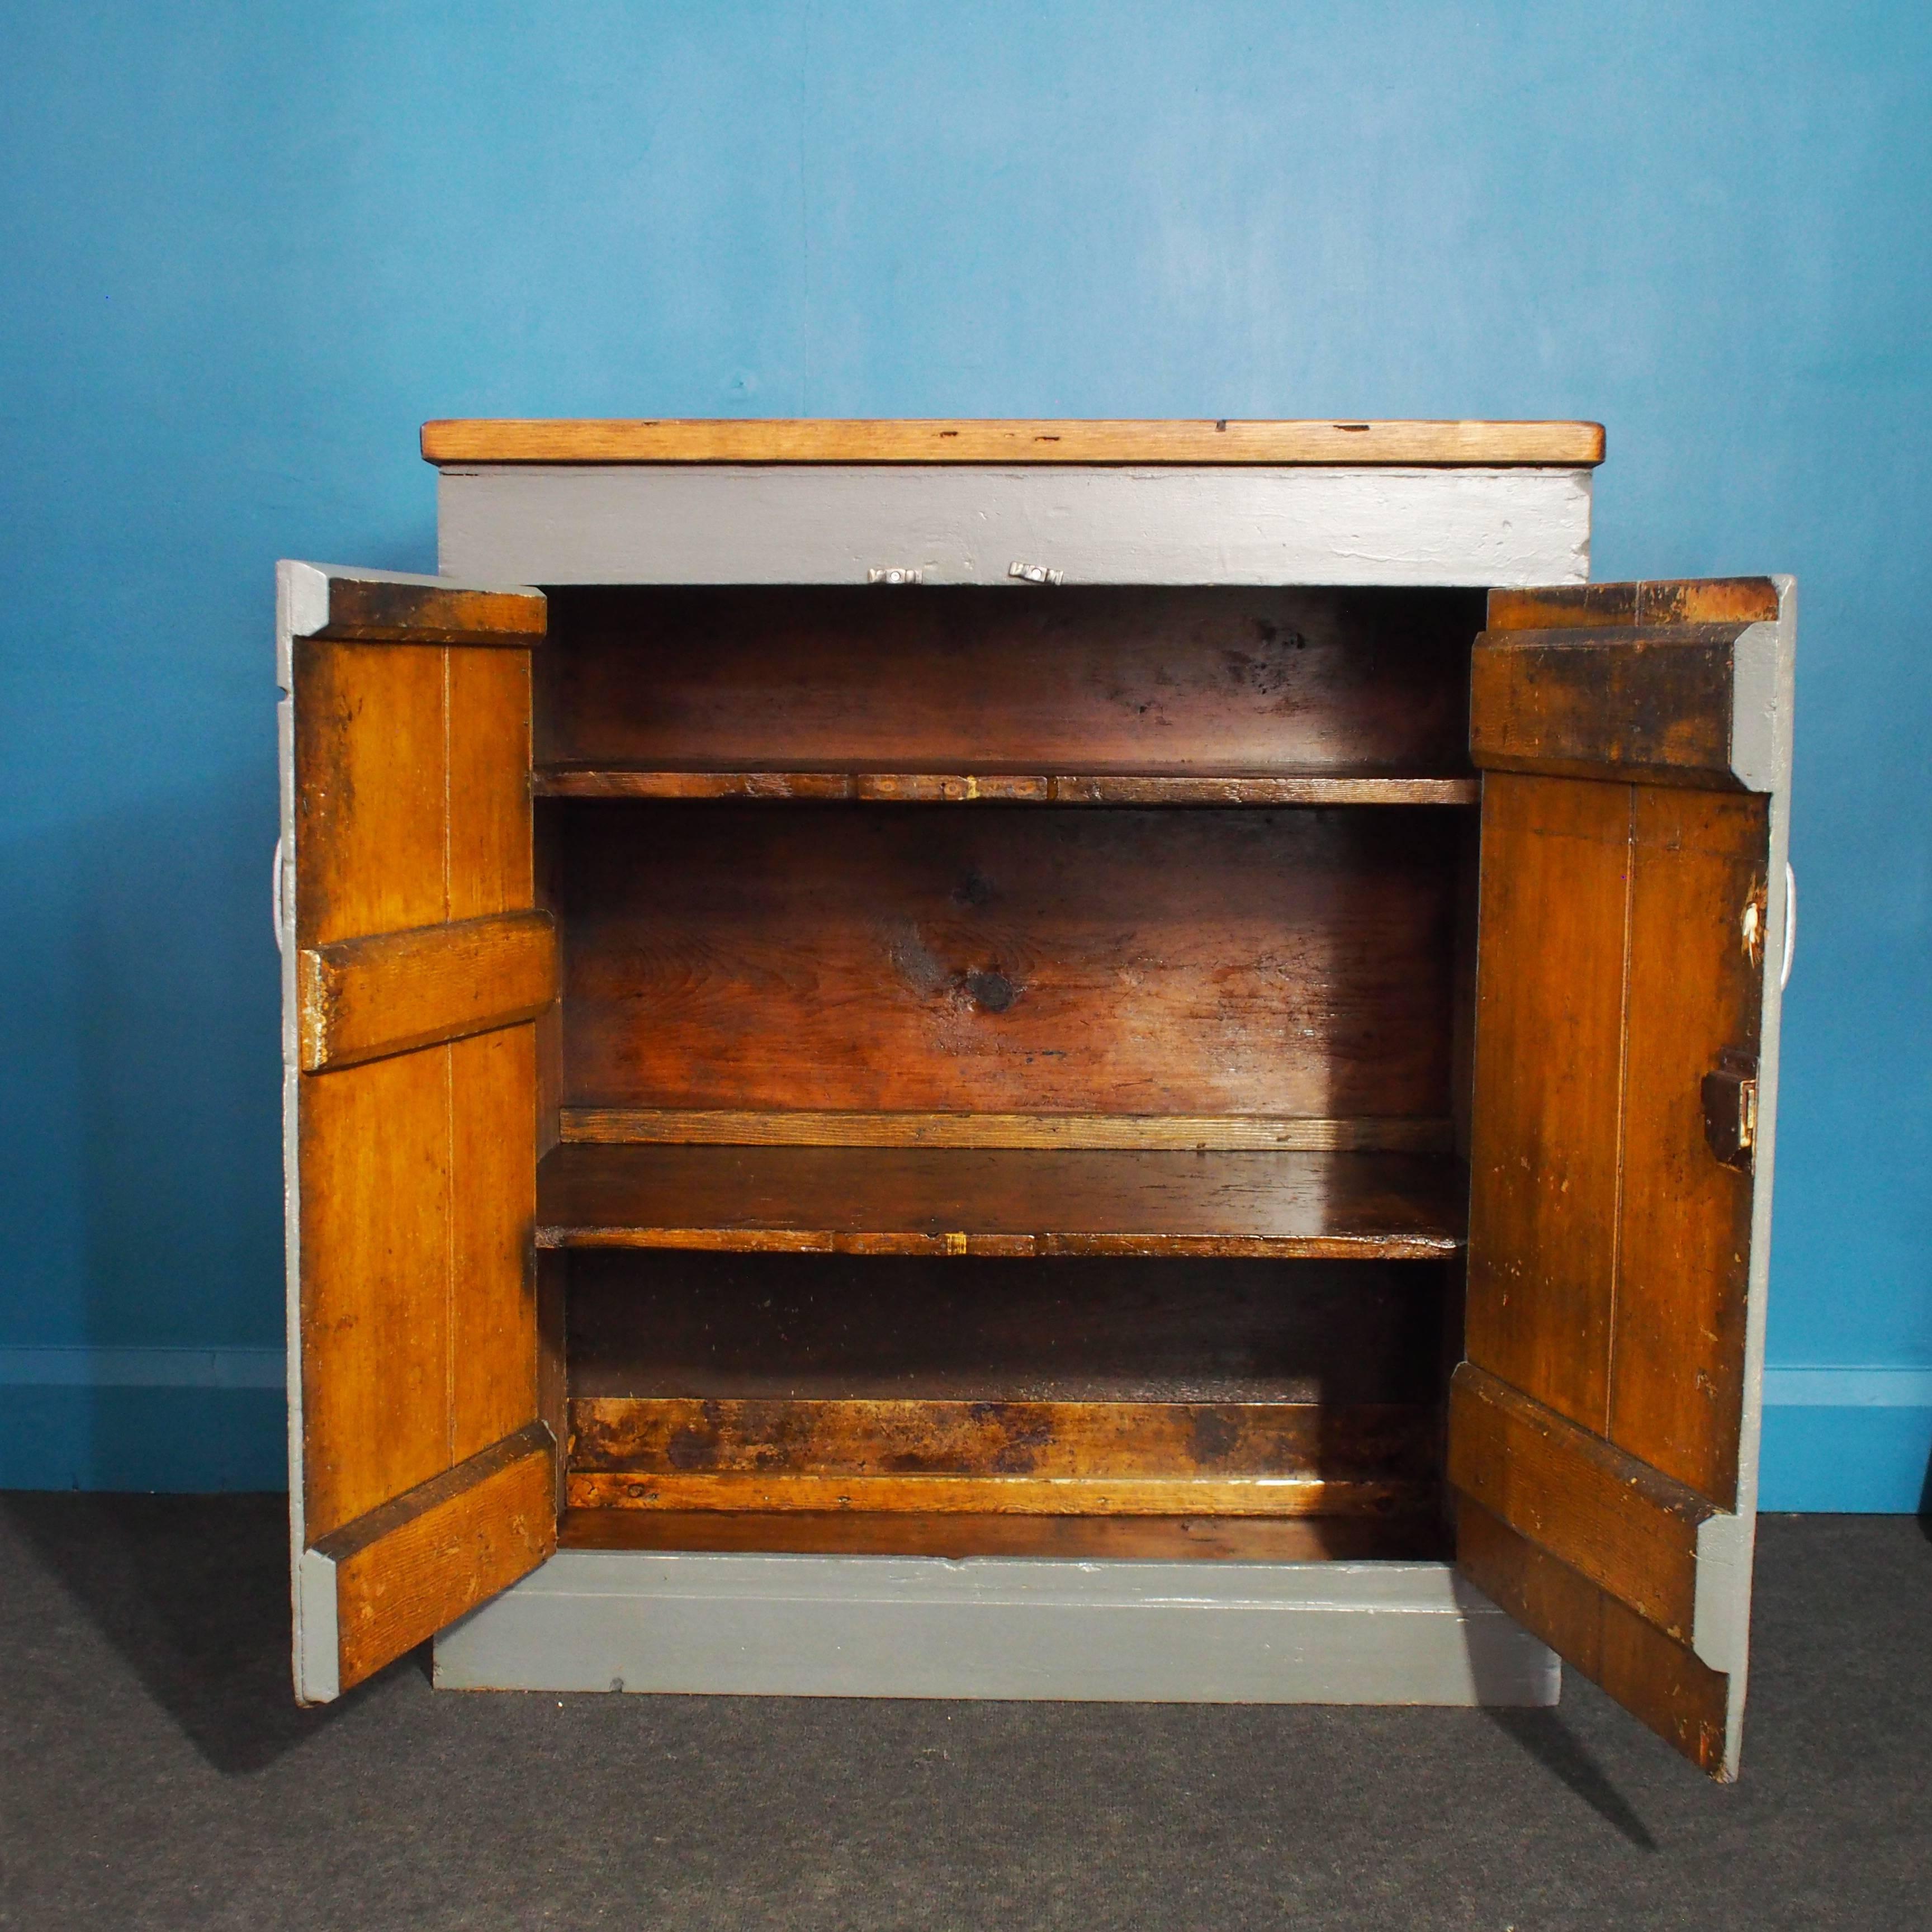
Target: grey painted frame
{"points": [[968, 524], [998, 1628]]}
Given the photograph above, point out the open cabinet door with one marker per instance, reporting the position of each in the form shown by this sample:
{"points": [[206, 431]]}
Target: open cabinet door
{"points": [[414, 965], [1635, 745]]}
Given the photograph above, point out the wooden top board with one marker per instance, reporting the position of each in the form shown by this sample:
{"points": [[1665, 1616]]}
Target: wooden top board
{"points": [[1478, 445]]}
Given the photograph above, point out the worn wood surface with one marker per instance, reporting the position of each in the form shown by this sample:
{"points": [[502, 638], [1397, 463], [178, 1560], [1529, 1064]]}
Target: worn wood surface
{"points": [[1004, 787], [1662, 1683], [1654, 704], [1144, 1539], [691, 1435], [1000, 1202], [1099, 692], [393, 991], [374, 610], [1711, 600], [862, 440], [415, 1171], [1545, 1163], [738, 1127], [1697, 941], [1610, 1517], [798, 1326], [422, 1559], [1303, 1494], [880, 960]]}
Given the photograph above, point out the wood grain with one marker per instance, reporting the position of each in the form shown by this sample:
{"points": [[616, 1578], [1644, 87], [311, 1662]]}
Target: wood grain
{"points": [[373, 611], [1305, 1494], [424, 1558], [1144, 1539], [1033, 1201], [730, 1127], [1710, 600], [1051, 1441], [1004, 788], [1545, 1163], [393, 991], [1100, 691], [1627, 1527], [1697, 972], [879, 959], [1652, 704], [858, 440], [1663, 1684]]}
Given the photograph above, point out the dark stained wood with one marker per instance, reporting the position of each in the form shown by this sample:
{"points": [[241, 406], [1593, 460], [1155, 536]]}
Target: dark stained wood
{"points": [[799, 1326], [1545, 1165], [884, 959], [1627, 1527], [1711, 600], [1145, 1539], [691, 1435], [1004, 788], [1697, 972], [1651, 704], [1102, 689], [1664, 1683], [425, 613], [422, 1560], [730, 1127], [393, 991], [1000, 1202], [738, 440]]}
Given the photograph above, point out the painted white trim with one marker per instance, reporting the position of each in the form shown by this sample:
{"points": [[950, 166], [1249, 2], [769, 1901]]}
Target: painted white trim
{"points": [[1848, 1386], [59, 1366]]}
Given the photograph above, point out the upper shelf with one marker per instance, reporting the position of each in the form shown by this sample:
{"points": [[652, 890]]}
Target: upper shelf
{"points": [[1002, 1202], [867, 786], [1476, 445]]}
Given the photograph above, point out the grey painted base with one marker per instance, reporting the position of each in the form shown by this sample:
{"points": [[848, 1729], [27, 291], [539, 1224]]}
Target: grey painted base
{"points": [[889, 1627]]}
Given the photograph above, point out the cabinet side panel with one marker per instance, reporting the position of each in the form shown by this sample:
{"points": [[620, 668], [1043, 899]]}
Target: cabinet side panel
{"points": [[1677, 1374], [1543, 1168], [490, 862]]}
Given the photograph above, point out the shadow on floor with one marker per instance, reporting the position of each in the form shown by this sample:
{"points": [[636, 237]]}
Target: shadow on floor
{"points": [[193, 1591], [1544, 1737]]}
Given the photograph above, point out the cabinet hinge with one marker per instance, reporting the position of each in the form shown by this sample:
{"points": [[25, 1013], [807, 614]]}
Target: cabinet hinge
{"points": [[1034, 573], [1730, 1109], [895, 574]]}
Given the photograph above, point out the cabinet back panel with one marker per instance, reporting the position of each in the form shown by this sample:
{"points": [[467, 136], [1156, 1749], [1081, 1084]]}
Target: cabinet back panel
{"points": [[1294, 962], [1065, 680], [812, 1327]]}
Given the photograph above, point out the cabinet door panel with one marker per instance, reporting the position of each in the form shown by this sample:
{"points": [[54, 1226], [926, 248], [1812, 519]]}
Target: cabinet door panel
{"points": [[415, 967], [1635, 743]]}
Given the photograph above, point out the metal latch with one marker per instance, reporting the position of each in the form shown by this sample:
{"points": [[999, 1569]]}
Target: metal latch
{"points": [[1034, 573], [1730, 1109], [895, 574]]}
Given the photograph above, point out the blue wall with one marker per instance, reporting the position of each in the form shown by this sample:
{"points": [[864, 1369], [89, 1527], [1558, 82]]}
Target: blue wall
{"points": [[245, 250]]}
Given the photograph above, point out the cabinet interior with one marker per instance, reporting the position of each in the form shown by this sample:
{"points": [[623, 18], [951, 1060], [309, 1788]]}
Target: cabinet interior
{"points": [[1005, 1094]]}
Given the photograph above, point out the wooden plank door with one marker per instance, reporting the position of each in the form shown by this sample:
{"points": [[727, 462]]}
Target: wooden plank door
{"points": [[1635, 745], [415, 963]]}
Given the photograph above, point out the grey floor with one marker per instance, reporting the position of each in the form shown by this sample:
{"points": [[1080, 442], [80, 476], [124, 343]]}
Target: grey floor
{"points": [[153, 1773]]}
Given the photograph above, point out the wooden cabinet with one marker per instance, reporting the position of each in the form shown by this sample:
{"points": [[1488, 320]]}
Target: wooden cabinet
{"points": [[943, 998]]}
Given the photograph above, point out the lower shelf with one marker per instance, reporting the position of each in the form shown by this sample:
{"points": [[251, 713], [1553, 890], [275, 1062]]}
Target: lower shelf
{"points": [[1002, 1202], [1086, 1539], [998, 1628], [1028, 1458]]}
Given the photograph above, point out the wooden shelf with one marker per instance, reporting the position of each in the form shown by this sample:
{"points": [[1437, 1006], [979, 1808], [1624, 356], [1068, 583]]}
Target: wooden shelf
{"points": [[1002, 1202], [864, 785], [1148, 1539]]}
